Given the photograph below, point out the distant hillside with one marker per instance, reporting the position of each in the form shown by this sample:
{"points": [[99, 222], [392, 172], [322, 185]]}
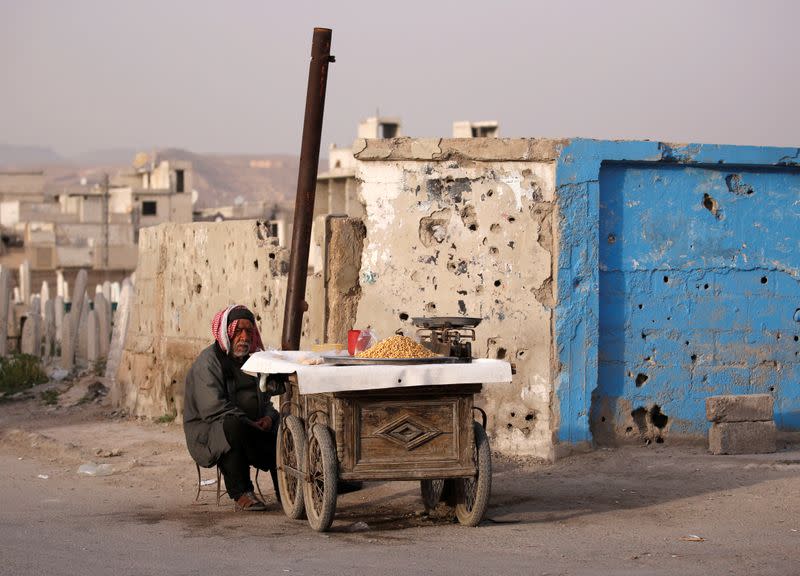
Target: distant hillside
{"points": [[220, 180], [27, 156]]}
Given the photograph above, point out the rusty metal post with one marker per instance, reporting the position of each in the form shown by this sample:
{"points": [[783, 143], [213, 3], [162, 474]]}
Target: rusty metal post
{"points": [[306, 188]]}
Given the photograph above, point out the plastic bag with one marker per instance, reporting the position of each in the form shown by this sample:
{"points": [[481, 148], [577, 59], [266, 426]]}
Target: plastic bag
{"points": [[366, 340]]}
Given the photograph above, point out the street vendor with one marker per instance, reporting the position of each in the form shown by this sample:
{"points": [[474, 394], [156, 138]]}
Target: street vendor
{"points": [[227, 419]]}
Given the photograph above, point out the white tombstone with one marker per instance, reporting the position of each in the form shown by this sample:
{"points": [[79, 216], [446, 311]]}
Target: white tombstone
{"points": [[16, 294], [59, 316], [107, 290], [66, 292], [67, 343], [60, 283], [49, 328], [31, 342], [92, 337], [121, 318], [115, 291], [25, 282], [44, 293], [82, 340], [5, 296], [103, 312], [78, 299]]}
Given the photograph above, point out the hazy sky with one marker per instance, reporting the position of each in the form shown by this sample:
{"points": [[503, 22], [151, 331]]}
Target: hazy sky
{"points": [[231, 76]]}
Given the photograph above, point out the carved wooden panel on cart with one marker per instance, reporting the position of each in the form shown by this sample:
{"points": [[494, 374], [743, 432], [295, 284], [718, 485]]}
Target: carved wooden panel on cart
{"points": [[421, 432]]}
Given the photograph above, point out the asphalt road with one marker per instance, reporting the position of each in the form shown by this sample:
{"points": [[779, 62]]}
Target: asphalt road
{"points": [[635, 510]]}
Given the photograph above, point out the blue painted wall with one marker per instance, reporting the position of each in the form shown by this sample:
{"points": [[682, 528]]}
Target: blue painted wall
{"points": [[722, 225]]}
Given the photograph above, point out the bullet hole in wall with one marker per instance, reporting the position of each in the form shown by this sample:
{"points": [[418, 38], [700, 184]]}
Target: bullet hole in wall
{"points": [[511, 219], [430, 307], [497, 283], [501, 353], [197, 288], [494, 228], [473, 227], [778, 336], [666, 279], [711, 205], [796, 338], [462, 292], [641, 379], [644, 336], [493, 250], [513, 414], [694, 358], [772, 388], [522, 353], [255, 263], [272, 255], [403, 316], [763, 279], [511, 244], [602, 418], [529, 416], [640, 306], [658, 418], [490, 193], [705, 286], [611, 238], [462, 307]]}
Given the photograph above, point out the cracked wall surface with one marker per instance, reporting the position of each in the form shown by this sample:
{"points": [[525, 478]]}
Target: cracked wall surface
{"points": [[465, 228]]}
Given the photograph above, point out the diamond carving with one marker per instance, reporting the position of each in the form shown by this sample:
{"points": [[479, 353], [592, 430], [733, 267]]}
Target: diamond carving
{"points": [[407, 432]]}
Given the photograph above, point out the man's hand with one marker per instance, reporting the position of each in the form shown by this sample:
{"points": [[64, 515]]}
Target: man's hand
{"points": [[264, 423]]}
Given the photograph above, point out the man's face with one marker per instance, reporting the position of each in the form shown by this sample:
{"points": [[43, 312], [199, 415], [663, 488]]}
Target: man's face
{"points": [[240, 343]]}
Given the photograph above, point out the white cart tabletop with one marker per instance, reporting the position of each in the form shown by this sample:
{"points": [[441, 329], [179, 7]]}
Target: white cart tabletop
{"points": [[319, 378]]}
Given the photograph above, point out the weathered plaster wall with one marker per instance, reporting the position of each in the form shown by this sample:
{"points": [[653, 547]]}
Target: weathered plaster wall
{"points": [[465, 228], [185, 274]]}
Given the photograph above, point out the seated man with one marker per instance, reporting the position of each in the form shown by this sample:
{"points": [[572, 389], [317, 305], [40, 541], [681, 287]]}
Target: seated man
{"points": [[227, 420]]}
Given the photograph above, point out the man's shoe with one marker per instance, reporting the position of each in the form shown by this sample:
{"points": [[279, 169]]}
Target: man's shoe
{"points": [[249, 502]]}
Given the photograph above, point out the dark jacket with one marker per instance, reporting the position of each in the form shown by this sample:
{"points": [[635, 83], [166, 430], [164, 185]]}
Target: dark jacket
{"points": [[207, 400]]}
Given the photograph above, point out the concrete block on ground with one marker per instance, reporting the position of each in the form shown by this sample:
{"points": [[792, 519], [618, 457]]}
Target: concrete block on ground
{"points": [[742, 437], [739, 408]]}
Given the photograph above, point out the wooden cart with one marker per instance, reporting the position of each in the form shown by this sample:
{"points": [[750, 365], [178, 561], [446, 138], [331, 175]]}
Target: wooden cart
{"points": [[425, 433]]}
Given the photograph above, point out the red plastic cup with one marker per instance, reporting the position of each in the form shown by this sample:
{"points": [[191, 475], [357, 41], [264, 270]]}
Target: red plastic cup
{"points": [[352, 341]]}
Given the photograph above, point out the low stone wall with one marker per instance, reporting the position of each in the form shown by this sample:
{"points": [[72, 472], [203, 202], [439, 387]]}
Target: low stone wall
{"points": [[187, 272]]}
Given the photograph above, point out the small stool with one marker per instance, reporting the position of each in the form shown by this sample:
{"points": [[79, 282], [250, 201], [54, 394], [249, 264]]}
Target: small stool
{"points": [[218, 489]]}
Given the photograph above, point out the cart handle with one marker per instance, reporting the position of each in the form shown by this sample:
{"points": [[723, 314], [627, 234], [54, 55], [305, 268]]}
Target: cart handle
{"points": [[483, 415]]}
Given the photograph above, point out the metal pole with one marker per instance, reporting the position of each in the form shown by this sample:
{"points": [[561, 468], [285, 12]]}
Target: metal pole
{"points": [[306, 185]]}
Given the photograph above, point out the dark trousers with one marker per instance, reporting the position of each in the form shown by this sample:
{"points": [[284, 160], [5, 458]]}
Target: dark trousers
{"points": [[249, 447]]}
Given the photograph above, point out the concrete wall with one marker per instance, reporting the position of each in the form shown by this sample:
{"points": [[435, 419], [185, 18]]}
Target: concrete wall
{"points": [[185, 274], [678, 280], [465, 228]]}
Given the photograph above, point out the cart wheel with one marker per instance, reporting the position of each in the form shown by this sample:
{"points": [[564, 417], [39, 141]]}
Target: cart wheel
{"points": [[431, 492], [320, 488], [292, 453], [472, 494]]}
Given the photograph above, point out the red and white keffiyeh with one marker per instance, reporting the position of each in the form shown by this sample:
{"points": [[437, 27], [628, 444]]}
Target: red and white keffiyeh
{"points": [[223, 337]]}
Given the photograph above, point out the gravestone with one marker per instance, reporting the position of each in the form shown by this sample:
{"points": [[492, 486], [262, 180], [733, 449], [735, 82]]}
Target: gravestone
{"points": [[25, 282], [31, 342], [67, 343], [92, 337], [121, 318], [59, 316], [5, 296], [82, 337], [103, 312], [49, 329], [78, 299]]}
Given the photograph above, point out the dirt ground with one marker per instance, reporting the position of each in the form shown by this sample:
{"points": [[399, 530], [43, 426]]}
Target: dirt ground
{"points": [[657, 509]]}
